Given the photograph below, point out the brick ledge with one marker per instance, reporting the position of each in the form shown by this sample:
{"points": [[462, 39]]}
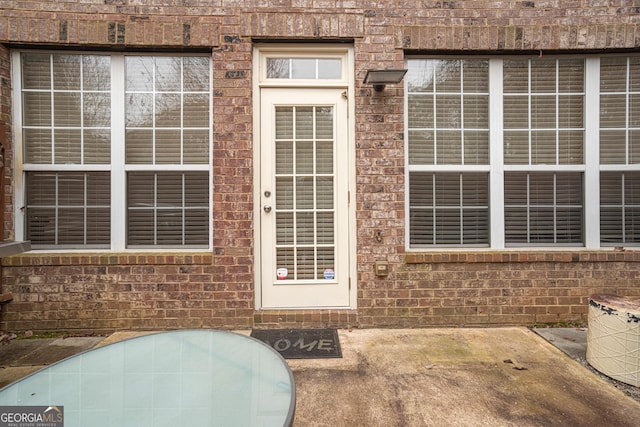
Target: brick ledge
{"points": [[523, 256], [43, 259]]}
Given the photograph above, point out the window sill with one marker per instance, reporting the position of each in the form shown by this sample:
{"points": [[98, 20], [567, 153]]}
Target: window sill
{"points": [[107, 258], [515, 256]]}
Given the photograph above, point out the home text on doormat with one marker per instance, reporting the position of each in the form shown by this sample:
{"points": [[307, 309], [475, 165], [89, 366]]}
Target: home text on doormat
{"points": [[301, 343]]}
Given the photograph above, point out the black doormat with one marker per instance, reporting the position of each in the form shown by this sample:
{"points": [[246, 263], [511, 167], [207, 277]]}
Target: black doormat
{"points": [[301, 343]]}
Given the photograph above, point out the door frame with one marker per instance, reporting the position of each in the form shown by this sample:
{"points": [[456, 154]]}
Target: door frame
{"points": [[260, 53]]}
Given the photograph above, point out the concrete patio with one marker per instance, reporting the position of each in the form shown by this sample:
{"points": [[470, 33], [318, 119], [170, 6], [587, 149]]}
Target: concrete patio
{"points": [[419, 377]]}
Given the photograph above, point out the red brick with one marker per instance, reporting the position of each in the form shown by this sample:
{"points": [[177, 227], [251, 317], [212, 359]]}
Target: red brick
{"points": [[216, 289]]}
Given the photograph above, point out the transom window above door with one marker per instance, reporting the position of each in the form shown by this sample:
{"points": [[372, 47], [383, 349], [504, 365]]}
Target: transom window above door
{"points": [[304, 68], [115, 150], [282, 66]]}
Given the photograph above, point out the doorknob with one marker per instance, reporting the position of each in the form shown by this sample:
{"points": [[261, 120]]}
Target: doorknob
{"points": [[267, 208]]}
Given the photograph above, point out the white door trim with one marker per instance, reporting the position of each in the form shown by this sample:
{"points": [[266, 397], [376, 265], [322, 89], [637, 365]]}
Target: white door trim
{"points": [[347, 83]]}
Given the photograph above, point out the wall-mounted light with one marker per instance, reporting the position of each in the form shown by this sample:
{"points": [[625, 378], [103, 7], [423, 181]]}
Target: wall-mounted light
{"points": [[380, 78]]}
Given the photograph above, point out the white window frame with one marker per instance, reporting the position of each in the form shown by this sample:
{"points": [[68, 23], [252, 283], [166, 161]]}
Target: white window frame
{"points": [[266, 52], [590, 168], [117, 168]]}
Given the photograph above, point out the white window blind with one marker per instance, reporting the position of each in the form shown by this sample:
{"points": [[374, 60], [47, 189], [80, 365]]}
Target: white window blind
{"points": [[543, 111], [620, 208], [71, 141], [66, 112], [620, 150], [543, 208], [449, 208], [167, 209], [448, 127], [533, 111], [68, 209], [305, 189], [543, 125]]}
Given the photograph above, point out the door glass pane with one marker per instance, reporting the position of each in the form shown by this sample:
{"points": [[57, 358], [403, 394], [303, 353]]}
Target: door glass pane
{"points": [[324, 123], [284, 123], [324, 224], [326, 261], [324, 157], [284, 228], [304, 192], [329, 68], [324, 190], [305, 264], [304, 157], [305, 228], [304, 68], [277, 68], [305, 187], [284, 192]]}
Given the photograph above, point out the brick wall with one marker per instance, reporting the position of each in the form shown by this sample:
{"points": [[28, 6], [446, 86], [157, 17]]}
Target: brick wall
{"points": [[106, 291], [102, 293], [6, 205]]}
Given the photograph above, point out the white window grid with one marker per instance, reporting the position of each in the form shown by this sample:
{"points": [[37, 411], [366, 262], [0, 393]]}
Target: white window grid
{"points": [[82, 91], [530, 95], [590, 167], [435, 92], [117, 168]]}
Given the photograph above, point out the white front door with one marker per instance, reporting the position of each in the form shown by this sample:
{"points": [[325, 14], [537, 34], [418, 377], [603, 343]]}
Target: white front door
{"points": [[304, 194]]}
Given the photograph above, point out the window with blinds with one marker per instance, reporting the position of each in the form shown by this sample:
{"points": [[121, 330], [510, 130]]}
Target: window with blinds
{"points": [[543, 207], [620, 207], [68, 209], [448, 152], [543, 111], [543, 126], [523, 152], [167, 209], [449, 208], [100, 131], [305, 188], [620, 150], [66, 102]]}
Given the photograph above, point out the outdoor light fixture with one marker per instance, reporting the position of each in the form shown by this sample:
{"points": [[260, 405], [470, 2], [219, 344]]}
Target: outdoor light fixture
{"points": [[380, 78]]}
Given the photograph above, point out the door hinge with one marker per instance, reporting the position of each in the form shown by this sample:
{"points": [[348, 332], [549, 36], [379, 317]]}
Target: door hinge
{"points": [[349, 283]]}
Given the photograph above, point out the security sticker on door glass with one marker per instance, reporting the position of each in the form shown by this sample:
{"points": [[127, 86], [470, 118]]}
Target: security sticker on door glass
{"points": [[282, 273], [329, 274]]}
